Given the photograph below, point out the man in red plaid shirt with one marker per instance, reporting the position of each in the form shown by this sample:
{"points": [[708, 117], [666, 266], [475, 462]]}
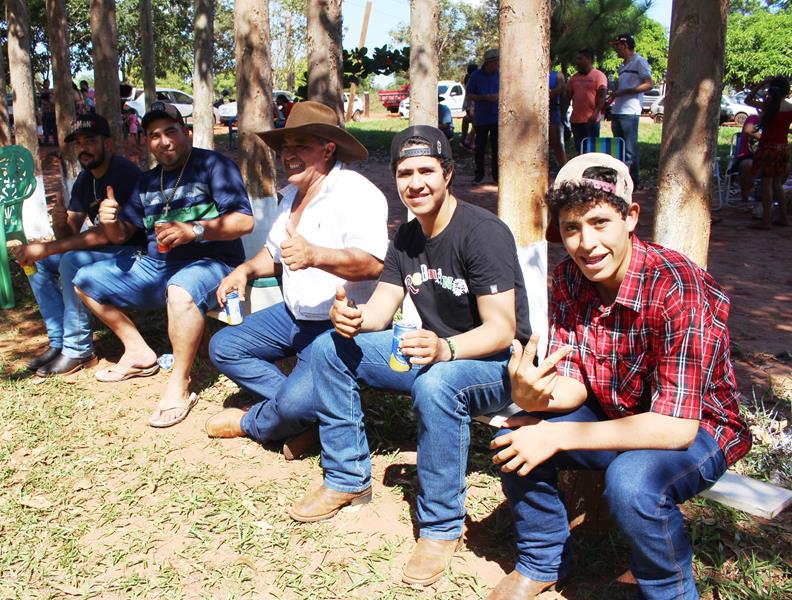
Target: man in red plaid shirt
{"points": [[639, 367]]}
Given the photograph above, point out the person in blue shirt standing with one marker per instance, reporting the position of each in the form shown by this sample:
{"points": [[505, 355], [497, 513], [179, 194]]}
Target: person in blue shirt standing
{"points": [[482, 90], [193, 207]]}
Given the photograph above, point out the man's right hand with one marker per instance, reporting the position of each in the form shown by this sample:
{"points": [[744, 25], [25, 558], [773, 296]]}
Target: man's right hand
{"points": [[108, 209], [532, 387], [346, 319], [235, 281]]}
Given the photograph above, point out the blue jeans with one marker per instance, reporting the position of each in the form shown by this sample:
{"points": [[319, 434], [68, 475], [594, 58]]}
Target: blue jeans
{"points": [[445, 396], [67, 320], [626, 127], [580, 131], [246, 354], [642, 489]]}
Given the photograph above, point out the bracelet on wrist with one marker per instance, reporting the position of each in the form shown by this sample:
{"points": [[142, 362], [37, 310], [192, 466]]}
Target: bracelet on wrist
{"points": [[451, 347]]}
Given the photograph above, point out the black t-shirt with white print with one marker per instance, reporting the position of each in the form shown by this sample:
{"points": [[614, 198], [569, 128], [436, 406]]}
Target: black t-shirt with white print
{"points": [[475, 255]]}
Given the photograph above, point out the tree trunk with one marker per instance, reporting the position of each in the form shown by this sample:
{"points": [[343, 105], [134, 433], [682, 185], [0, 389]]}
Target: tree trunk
{"points": [[21, 75], [34, 209], [5, 126], [424, 64], [522, 142], [325, 54], [290, 74], [690, 127], [105, 56], [58, 34], [254, 111], [203, 88], [149, 72]]}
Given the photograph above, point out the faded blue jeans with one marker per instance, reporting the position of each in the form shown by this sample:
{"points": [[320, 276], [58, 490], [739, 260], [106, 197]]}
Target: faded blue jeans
{"points": [[642, 489], [67, 320], [626, 127], [445, 396], [246, 354]]}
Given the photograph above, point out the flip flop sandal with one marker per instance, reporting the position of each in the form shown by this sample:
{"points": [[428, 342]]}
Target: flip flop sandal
{"points": [[115, 373], [192, 400]]}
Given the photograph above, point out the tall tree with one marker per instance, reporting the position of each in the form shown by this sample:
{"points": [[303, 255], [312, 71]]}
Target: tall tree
{"points": [[203, 89], [58, 34], [523, 138], [757, 46], [105, 54], [424, 24], [690, 126], [254, 104], [21, 75], [325, 54], [5, 127]]}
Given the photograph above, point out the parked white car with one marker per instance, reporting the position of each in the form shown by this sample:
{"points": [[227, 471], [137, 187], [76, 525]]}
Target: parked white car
{"points": [[730, 111], [228, 112], [181, 100], [358, 107], [451, 93]]}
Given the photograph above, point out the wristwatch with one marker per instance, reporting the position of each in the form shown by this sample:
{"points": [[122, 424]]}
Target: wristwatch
{"points": [[198, 230]]}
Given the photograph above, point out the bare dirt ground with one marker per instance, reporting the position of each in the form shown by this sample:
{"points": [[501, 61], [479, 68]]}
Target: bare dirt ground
{"points": [[753, 267]]}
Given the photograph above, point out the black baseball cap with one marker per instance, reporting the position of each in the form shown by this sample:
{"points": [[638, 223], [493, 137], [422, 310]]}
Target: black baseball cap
{"points": [[89, 124], [437, 146], [162, 110]]}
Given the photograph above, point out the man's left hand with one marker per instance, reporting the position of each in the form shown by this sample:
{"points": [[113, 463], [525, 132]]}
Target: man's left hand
{"points": [[297, 253], [176, 234], [29, 253], [425, 347], [526, 447]]}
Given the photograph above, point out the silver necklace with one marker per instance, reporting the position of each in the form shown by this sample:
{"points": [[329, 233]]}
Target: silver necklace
{"points": [[175, 186]]}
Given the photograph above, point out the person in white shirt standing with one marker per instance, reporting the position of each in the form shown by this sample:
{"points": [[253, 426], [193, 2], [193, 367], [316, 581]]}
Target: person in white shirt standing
{"points": [[635, 77], [331, 230]]}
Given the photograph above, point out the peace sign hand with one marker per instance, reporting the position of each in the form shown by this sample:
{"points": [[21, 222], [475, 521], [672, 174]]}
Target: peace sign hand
{"points": [[532, 387]]}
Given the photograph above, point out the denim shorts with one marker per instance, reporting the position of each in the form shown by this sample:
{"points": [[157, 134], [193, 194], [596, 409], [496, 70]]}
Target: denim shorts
{"points": [[141, 282]]}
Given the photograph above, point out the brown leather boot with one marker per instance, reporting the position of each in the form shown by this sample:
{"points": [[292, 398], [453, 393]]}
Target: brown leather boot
{"points": [[226, 424], [301, 443], [428, 561], [324, 503], [518, 587]]}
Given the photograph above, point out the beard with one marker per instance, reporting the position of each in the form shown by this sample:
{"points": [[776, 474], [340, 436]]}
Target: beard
{"points": [[89, 161]]}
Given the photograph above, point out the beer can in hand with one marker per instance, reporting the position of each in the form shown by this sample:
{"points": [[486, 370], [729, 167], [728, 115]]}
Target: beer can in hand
{"points": [[398, 361], [233, 309], [162, 248], [30, 269]]}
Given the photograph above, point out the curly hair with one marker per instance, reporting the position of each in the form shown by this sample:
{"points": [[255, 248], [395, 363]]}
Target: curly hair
{"points": [[581, 195]]}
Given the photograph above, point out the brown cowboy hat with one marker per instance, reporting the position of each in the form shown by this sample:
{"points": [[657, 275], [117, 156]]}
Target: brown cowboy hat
{"points": [[315, 118]]}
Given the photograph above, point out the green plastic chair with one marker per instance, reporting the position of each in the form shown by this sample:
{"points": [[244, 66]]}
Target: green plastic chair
{"points": [[17, 183]]}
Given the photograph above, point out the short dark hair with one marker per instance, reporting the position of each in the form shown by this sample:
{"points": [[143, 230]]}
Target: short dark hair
{"points": [[587, 53], [446, 164], [582, 195]]}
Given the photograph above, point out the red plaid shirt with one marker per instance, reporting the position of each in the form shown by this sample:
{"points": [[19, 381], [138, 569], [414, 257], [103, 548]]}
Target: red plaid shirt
{"points": [[662, 346]]}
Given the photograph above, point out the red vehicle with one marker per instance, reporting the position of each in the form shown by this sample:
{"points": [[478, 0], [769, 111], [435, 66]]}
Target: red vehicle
{"points": [[390, 98]]}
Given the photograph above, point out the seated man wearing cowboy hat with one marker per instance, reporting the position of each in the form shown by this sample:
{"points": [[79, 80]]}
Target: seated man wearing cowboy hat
{"points": [[331, 229]]}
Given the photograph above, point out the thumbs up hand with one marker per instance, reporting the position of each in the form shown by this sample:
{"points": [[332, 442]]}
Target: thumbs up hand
{"points": [[296, 252], [345, 315], [108, 209]]}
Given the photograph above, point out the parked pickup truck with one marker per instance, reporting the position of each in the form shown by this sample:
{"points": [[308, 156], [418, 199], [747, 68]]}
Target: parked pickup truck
{"points": [[390, 99]]}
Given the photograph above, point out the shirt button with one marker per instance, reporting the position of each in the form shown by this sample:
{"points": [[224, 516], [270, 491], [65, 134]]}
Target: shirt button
{"points": [[600, 359], [621, 409]]}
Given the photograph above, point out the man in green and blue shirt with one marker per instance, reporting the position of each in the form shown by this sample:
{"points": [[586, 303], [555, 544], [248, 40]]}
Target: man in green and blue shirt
{"points": [[198, 201]]}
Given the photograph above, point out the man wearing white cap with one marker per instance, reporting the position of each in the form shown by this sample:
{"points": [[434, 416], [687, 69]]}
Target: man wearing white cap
{"points": [[639, 369]]}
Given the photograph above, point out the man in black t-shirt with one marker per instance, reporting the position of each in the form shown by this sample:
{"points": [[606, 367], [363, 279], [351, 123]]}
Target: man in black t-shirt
{"points": [[76, 245], [458, 264]]}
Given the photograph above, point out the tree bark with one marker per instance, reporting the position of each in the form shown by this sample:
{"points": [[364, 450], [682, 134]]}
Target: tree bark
{"points": [[690, 127], [21, 76], [290, 74], [203, 88], [424, 63], [58, 34], [104, 39], [254, 94], [5, 126], [149, 71], [325, 58]]}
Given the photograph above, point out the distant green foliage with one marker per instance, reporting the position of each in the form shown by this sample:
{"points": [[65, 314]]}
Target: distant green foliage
{"points": [[757, 45]]}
